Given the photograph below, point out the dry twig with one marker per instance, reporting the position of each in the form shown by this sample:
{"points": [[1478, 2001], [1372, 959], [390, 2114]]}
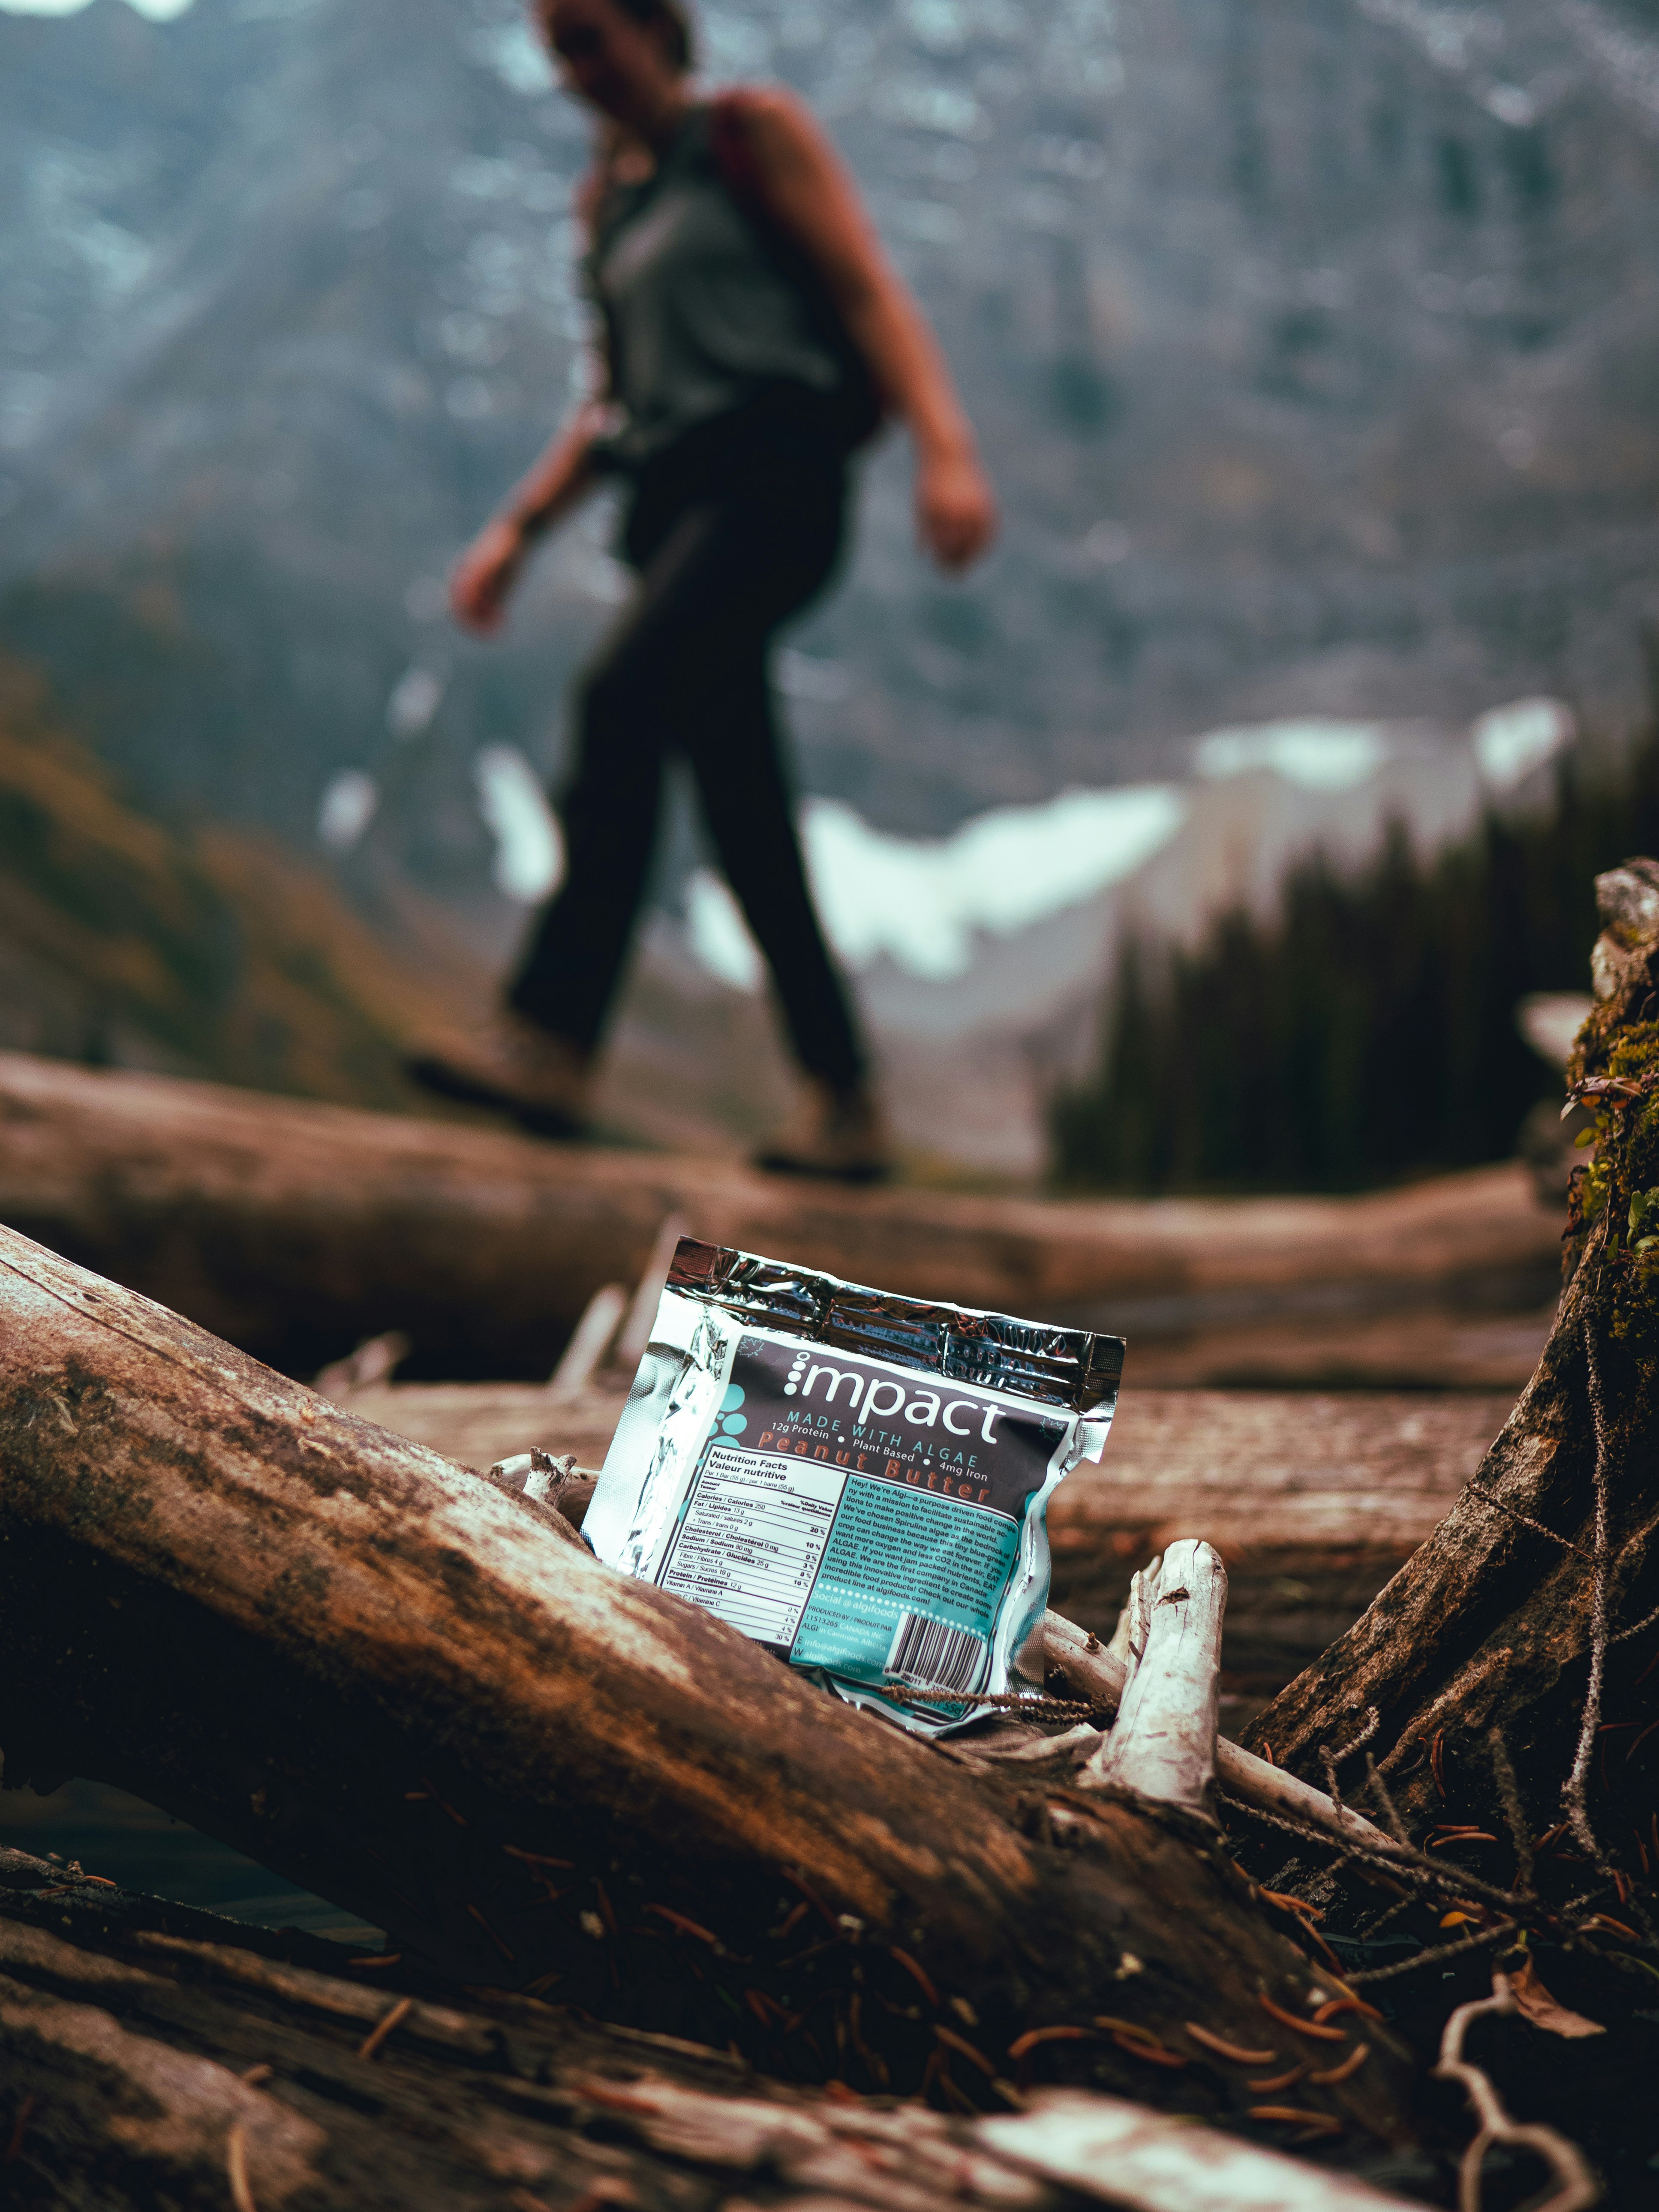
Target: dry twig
{"points": [[1478, 1941], [1646, 1621], [1490, 1497], [1509, 1795], [1332, 1759], [1459, 1688]]}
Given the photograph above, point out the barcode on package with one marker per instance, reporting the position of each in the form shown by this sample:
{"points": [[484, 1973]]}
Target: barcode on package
{"points": [[932, 1655]]}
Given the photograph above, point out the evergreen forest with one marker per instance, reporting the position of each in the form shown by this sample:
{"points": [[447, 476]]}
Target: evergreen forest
{"points": [[1363, 1030]]}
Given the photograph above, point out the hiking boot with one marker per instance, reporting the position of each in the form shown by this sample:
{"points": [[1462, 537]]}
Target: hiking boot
{"points": [[514, 1065], [841, 1135]]}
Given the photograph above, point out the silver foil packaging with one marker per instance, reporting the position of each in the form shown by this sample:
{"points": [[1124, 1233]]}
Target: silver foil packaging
{"points": [[855, 1479]]}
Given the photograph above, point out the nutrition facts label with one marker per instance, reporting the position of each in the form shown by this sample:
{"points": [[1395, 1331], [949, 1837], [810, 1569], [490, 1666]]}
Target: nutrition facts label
{"points": [[753, 1536]]}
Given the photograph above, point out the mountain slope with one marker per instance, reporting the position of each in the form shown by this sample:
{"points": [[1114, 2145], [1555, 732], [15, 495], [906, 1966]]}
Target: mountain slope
{"points": [[126, 942]]}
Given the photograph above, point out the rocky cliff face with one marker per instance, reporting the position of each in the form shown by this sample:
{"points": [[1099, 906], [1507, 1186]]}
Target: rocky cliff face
{"points": [[1315, 350]]}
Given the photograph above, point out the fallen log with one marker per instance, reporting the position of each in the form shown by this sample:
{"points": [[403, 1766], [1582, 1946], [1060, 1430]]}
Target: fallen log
{"points": [[1257, 1470], [422, 1697], [150, 2056], [295, 1229]]}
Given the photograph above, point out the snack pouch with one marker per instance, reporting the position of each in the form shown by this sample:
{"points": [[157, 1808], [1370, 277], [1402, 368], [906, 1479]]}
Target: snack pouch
{"points": [[856, 1480]]}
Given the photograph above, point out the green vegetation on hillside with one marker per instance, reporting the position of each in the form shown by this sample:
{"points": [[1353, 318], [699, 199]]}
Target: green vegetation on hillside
{"points": [[1364, 1028], [212, 952]]}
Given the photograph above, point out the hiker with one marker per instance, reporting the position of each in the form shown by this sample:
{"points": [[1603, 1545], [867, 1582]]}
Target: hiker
{"points": [[754, 336]]}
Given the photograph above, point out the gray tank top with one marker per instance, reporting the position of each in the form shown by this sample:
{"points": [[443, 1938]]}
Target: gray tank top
{"points": [[701, 318]]}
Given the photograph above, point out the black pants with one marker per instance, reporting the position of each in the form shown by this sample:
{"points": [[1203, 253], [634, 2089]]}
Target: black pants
{"points": [[686, 670]]}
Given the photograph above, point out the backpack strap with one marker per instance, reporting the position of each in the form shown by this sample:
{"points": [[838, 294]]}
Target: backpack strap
{"points": [[733, 149], [732, 146]]}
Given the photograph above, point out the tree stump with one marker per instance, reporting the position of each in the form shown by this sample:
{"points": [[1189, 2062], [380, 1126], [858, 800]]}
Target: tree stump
{"points": [[1503, 1688], [1531, 1605]]}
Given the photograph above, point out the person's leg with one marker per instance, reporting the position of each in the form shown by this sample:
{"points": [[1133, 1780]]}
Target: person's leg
{"points": [[749, 810], [534, 1057], [762, 560], [683, 663], [634, 700], [609, 814], [774, 560], [688, 667]]}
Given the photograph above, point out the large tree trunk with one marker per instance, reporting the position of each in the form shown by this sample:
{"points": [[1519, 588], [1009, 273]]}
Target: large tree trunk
{"points": [[373, 1671], [1510, 1616], [295, 1229]]}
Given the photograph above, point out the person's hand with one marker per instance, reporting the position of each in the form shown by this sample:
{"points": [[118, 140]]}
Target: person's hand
{"points": [[956, 509], [485, 573]]}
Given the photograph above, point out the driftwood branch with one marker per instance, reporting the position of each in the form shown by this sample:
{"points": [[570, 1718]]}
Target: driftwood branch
{"points": [[1098, 1674], [1163, 1749]]}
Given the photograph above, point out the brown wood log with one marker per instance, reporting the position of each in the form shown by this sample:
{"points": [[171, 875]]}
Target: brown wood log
{"points": [[1496, 1623], [148, 2055], [294, 1229], [1253, 1470], [425, 1699]]}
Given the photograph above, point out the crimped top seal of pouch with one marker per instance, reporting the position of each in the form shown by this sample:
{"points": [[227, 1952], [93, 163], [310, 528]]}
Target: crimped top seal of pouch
{"points": [[1077, 1368]]}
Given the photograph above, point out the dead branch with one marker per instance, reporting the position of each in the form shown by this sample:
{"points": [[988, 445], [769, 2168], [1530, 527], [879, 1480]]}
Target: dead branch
{"points": [[1100, 1674], [1164, 1748]]}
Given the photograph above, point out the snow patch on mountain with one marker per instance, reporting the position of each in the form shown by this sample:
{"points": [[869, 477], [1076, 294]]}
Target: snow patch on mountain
{"points": [[924, 906]]}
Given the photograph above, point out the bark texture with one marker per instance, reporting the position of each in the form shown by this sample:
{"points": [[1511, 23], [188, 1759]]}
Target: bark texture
{"points": [[372, 1671]]}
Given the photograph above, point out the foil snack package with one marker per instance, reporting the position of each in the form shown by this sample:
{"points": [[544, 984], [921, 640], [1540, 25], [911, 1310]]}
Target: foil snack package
{"points": [[857, 1480]]}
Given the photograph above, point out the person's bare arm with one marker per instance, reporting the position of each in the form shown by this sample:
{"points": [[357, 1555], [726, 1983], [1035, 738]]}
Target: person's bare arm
{"points": [[560, 479], [487, 571], [808, 191]]}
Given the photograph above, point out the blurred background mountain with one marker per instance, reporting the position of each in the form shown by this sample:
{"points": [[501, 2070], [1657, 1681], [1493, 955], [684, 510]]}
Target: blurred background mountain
{"points": [[1315, 350], [126, 941]]}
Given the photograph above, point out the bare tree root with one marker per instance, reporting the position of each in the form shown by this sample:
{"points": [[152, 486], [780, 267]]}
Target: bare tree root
{"points": [[1578, 2187]]}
